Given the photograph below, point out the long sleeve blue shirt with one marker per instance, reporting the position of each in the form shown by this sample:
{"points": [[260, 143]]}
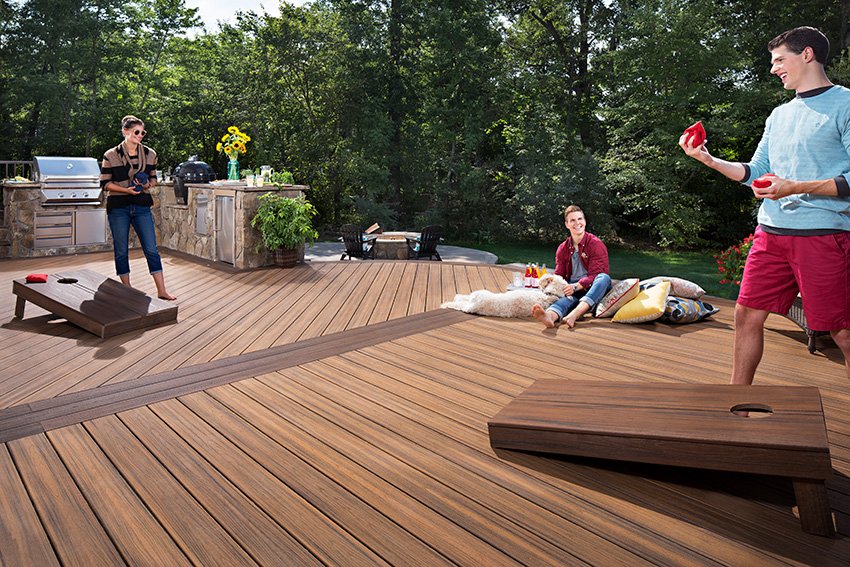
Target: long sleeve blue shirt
{"points": [[807, 139]]}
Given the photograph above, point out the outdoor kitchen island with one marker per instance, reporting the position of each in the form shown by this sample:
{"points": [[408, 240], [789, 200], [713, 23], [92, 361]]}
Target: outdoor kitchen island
{"points": [[215, 224], [59, 212]]}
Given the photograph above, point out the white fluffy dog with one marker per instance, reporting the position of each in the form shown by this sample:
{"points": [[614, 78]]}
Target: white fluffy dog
{"points": [[514, 303]]}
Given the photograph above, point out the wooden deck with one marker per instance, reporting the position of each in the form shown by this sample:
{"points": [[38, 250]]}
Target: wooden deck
{"points": [[332, 414]]}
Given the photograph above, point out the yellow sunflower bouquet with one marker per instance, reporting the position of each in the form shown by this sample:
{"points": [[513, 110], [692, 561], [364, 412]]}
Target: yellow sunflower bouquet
{"points": [[232, 144]]}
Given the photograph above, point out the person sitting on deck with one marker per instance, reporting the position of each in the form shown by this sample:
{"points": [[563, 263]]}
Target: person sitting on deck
{"points": [[582, 260]]}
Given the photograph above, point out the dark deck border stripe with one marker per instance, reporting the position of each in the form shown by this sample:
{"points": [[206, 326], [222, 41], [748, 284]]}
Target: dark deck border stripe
{"points": [[43, 415]]}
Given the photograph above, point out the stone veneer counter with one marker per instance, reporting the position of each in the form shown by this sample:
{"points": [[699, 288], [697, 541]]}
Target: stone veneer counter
{"points": [[190, 228], [22, 203]]}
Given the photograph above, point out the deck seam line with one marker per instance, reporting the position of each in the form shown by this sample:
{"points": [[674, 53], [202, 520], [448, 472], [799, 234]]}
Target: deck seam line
{"points": [[77, 407]]}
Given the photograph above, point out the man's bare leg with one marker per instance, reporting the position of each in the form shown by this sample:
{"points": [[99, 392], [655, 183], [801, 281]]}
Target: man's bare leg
{"points": [[749, 343], [574, 315], [842, 339], [545, 316]]}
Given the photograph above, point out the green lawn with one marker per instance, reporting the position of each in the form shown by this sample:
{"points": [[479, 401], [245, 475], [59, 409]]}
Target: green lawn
{"points": [[698, 267]]}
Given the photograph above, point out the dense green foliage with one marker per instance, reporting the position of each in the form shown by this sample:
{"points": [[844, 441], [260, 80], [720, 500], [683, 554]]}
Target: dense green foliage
{"points": [[485, 116]]}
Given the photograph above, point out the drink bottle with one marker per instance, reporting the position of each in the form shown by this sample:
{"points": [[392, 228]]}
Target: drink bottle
{"points": [[535, 276], [543, 271], [528, 275]]}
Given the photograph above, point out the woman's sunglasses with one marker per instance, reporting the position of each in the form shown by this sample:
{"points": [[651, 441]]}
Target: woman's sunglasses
{"points": [[142, 132]]}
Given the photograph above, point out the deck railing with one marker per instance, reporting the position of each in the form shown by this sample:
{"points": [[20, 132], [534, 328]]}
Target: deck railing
{"points": [[11, 168]]}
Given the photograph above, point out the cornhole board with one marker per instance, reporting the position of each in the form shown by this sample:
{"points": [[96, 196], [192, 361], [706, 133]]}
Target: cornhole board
{"points": [[94, 302], [684, 425]]}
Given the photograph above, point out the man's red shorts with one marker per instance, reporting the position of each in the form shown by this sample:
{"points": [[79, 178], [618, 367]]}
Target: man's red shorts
{"points": [[816, 267]]}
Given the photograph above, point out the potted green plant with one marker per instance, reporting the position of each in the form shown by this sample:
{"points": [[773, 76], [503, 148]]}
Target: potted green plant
{"points": [[281, 178], [285, 224]]}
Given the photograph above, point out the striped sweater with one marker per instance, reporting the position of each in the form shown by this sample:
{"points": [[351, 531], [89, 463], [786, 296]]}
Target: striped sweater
{"points": [[119, 167]]}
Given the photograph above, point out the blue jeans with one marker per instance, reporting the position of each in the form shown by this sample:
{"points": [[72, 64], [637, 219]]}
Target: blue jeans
{"points": [[141, 219], [601, 285]]}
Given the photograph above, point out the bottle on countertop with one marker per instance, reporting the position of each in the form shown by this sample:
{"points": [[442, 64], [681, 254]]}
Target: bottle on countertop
{"points": [[528, 275]]}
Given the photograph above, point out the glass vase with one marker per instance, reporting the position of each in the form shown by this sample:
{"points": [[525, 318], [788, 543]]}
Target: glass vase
{"points": [[233, 170]]}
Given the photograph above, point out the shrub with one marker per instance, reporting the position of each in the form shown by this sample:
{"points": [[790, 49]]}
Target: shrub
{"points": [[730, 262], [284, 222]]}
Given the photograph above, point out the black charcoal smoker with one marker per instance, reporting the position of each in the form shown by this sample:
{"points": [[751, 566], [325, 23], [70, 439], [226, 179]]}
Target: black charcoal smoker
{"points": [[191, 171]]}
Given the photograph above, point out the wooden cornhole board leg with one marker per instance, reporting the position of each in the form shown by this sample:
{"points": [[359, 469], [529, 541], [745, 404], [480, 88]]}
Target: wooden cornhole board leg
{"points": [[688, 425], [94, 302], [20, 304], [813, 507]]}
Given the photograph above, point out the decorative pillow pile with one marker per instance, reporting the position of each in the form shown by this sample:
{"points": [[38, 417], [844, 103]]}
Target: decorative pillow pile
{"points": [[622, 292], [678, 286], [647, 306], [681, 310]]}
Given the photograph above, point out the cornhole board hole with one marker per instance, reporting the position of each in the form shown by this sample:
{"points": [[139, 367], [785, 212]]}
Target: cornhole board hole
{"points": [[686, 425], [94, 302]]}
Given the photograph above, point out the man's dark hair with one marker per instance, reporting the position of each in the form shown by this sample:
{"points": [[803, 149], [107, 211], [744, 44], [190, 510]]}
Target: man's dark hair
{"points": [[798, 39]]}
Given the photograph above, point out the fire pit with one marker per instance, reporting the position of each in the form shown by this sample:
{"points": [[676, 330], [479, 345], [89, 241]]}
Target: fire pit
{"points": [[392, 245]]}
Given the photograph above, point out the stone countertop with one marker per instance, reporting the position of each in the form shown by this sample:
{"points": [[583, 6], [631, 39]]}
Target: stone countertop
{"points": [[21, 184], [241, 186]]}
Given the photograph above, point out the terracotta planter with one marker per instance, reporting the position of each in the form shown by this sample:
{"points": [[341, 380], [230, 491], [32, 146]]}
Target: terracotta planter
{"points": [[285, 257]]}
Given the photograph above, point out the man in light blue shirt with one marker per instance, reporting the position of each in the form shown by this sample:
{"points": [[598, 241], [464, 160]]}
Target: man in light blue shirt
{"points": [[802, 243]]}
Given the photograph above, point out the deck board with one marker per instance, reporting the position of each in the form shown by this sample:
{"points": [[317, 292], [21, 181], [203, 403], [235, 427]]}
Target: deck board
{"points": [[22, 535], [131, 526], [245, 520], [72, 526], [191, 526], [331, 414]]}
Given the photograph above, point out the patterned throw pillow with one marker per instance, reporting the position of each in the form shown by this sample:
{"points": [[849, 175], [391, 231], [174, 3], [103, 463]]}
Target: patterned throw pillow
{"points": [[681, 310], [678, 286], [622, 292], [647, 306]]}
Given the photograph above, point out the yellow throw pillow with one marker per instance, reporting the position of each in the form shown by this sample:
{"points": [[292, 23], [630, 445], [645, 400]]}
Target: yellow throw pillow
{"points": [[647, 306]]}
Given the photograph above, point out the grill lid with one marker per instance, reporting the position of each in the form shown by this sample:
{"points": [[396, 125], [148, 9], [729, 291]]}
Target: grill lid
{"points": [[194, 171], [68, 180], [66, 170]]}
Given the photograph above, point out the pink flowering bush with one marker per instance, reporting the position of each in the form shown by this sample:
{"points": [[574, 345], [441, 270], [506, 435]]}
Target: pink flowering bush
{"points": [[730, 262]]}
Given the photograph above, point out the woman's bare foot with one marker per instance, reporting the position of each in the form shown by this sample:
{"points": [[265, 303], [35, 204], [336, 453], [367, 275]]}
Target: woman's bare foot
{"points": [[545, 317], [161, 292]]}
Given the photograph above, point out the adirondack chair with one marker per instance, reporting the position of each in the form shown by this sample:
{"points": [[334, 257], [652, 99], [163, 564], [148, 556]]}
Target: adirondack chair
{"points": [[425, 245], [358, 244]]}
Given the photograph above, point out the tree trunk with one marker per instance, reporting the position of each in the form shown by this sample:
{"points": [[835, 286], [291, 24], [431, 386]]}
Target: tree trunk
{"points": [[394, 98]]}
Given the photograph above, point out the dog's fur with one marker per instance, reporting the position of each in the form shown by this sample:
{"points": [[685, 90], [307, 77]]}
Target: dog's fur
{"points": [[514, 303]]}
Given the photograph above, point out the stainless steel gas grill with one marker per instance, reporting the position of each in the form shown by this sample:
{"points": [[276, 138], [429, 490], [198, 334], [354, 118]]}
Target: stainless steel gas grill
{"points": [[69, 211], [68, 180]]}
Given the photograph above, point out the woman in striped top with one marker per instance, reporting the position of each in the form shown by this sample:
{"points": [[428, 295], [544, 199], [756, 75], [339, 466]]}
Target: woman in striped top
{"points": [[127, 173]]}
